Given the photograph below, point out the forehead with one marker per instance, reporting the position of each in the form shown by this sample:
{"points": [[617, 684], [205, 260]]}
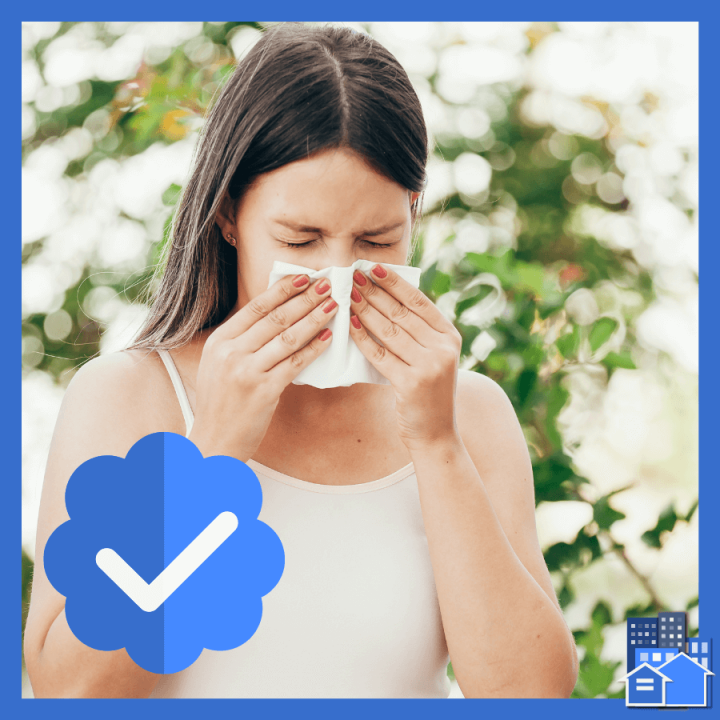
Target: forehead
{"points": [[331, 189]]}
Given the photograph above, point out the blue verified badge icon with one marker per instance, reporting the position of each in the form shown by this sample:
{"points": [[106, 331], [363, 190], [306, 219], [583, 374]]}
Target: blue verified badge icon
{"points": [[164, 554]]}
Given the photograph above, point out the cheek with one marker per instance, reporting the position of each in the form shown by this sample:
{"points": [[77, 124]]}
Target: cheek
{"points": [[253, 272]]}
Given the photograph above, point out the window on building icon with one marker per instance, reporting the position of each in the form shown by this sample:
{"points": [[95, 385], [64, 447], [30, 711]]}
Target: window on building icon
{"points": [[632, 642], [669, 656], [703, 662], [644, 656], [662, 636], [694, 647], [657, 657], [647, 633], [704, 648]]}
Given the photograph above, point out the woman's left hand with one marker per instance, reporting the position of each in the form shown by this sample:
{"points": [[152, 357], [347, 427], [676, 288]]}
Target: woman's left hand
{"points": [[420, 357]]}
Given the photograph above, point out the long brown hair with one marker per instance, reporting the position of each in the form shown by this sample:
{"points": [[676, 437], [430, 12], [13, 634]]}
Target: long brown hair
{"points": [[299, 90]]}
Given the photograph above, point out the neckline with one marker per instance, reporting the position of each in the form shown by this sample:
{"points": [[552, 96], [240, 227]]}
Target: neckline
{"points": [[395, 477], [261, 469]]}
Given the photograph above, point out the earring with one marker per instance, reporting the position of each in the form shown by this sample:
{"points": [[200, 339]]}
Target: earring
{"points": [[231, 240]]}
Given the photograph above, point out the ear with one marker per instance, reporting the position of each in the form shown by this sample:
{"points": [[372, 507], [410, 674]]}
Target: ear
{"points": [[225, 217], [413, 197]]}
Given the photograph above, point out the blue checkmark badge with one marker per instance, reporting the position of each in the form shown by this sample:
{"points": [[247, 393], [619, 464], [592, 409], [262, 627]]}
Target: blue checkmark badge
{"points": [[164, 554]]}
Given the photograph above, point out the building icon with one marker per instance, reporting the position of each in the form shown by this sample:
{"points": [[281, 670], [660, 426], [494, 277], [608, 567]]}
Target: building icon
{"points": [[655, 657], [672, 630], [665, 668], [645, 687], [641, 633], [700, 650]]}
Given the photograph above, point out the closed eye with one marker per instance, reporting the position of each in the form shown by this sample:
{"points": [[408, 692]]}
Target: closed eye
{"points": [[313, 242]]}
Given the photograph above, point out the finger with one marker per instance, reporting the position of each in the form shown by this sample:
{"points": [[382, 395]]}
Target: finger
{"points": [[387, 364], [390, 334], [289, 368], [394, 310], [294, 300], [280, 317], [413, 298], [294, 338]]}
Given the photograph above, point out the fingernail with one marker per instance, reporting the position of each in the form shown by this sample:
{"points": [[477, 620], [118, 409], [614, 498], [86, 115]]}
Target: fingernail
{"points": [[380, 271], [325, 334], [300, 280], [355, 321], [359, 278], [330, 306], [355, 295], [322, 287]]}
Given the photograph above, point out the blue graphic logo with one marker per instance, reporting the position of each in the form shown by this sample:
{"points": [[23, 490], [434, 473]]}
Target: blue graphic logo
{"points": [[666, 668], [164, 554]]}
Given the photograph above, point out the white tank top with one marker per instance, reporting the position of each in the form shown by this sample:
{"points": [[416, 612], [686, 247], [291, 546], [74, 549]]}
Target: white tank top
{"points": [[355, 613]]}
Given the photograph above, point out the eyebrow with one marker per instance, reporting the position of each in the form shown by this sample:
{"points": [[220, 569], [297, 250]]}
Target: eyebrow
{"points": [[298, 227]]}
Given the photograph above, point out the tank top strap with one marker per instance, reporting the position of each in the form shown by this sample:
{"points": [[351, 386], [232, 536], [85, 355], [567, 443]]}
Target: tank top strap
{"points": [[179, 389]]}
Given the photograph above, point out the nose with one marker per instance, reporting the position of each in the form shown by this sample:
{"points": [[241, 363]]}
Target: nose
{"points": [[340, 252]]}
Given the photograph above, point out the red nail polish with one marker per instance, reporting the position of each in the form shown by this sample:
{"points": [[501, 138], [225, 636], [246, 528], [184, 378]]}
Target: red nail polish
{"points": [[355, 295], [355, 321], [359, 278], [380, 271], [325, 334]]}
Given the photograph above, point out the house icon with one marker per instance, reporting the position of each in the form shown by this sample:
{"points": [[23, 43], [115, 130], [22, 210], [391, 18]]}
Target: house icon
{"points": [[689, 680], [645, 686]]}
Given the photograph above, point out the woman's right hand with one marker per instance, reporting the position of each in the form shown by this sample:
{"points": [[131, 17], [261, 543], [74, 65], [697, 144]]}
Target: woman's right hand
{"points": [[251, 358]]}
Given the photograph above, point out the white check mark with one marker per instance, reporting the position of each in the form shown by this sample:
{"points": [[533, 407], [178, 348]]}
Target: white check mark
{"points": [[150, 597]]}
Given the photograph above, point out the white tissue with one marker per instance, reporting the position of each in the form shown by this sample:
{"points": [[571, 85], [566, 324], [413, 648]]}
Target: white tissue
{"points": [[342, 364]]}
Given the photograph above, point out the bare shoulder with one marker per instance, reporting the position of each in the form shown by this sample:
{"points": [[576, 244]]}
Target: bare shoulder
{"points": [[108, 406], [488, 423], [123, 385]]}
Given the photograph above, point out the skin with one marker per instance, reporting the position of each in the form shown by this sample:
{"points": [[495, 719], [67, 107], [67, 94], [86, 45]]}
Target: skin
{"points": [[458, 428], [347, 198]]}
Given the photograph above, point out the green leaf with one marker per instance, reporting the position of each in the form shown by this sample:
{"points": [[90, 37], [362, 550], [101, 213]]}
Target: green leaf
{"points": [[552, 474], [569, 343], [666, 523], [434, 282], [622, 360], [604, 515], [584, 550], [171, 195], [601, 331], [557, 396], [530, 277], [526, 384]]}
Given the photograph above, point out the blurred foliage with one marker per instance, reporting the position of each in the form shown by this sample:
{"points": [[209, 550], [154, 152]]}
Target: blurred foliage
{"points": [[537, 341]]}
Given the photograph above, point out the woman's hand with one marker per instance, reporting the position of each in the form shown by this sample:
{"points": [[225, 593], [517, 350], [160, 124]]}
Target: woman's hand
{"points": [[251, 358], [420, 357]]}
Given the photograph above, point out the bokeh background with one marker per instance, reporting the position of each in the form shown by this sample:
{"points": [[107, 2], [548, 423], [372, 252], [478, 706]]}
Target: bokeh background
{"points": [[560, 234]]}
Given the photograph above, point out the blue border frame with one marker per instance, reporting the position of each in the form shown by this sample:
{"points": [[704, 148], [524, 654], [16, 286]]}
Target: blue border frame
{"points": [[10, 680]]}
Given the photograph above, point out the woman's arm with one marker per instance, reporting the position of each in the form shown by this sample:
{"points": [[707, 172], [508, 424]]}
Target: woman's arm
{"points": [[505, 631], [107, 407]]}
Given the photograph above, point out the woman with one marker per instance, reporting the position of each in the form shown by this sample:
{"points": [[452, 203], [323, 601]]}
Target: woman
{"points": [[406, 511]]}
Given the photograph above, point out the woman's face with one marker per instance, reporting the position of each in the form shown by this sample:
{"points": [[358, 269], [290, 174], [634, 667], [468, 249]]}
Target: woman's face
{"points": [[318, 212]]}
